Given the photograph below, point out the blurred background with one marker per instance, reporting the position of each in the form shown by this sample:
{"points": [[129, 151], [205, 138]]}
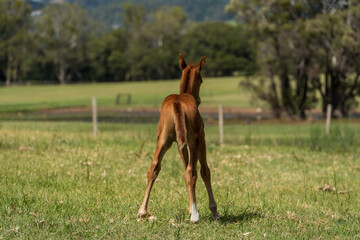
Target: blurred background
{"points": [[266, 59]]}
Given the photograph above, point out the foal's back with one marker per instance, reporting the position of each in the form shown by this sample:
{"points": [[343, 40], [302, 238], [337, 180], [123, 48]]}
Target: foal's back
{"points": [[169, 109]]}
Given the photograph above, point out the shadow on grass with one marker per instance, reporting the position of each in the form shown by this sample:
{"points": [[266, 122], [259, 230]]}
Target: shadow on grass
{"points": [[242, 217]]}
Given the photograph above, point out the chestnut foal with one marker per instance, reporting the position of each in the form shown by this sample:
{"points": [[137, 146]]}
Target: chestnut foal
{"points": [[180, 121]]}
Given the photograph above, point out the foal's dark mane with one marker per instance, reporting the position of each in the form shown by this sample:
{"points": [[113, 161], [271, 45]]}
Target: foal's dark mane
{"points": [[185, 83]]}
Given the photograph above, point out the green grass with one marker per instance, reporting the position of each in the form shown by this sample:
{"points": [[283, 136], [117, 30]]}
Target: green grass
{"points": [[144, 94], [57, 181], [147, 94]]}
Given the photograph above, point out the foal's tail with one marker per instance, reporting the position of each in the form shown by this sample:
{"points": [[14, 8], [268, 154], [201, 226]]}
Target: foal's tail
{"points": [[180, 125]]}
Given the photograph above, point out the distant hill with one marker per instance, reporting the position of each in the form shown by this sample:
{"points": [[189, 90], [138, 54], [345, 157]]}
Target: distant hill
{"points": [[108, 11]]}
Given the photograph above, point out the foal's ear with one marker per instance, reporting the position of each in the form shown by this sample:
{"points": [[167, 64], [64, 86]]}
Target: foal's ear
{"points": [[182, 62], [201, 63]]}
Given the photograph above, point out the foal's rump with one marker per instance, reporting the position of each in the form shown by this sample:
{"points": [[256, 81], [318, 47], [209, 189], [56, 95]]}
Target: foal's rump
{"points": [[178, 117]]}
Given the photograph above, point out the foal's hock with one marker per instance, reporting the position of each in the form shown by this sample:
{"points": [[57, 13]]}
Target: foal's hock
{"points": [[180, 122]]}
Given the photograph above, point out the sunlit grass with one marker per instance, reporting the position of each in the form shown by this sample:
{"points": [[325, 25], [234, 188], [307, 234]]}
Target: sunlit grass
{"points": [[143, 94], [58, 181], [149, 94]]}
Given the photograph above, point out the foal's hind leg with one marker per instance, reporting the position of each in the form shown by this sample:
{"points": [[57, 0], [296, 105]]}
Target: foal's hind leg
{"points": [[206, 176], [155, 167], [189, 156]]}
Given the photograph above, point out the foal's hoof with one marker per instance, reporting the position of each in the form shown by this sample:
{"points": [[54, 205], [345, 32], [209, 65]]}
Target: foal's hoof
{"points": [[142, 213], [194, 218], [215, 216], [214, 212]]}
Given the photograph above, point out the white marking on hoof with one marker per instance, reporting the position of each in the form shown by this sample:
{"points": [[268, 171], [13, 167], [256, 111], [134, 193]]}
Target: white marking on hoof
{"points": [[194, 214]]}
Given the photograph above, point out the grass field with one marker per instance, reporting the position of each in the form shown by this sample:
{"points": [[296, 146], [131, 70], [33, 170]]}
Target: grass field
{"points": [[144, 94], [270, 181]]}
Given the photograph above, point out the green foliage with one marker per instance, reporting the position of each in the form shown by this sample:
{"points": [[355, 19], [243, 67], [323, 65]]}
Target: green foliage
{"points": [[14, 38], [107, 58], [165, 26], [227, 48], [64, 44], [295, 42], [152, 45], [62, 32], [336, 39], [107, 11]]}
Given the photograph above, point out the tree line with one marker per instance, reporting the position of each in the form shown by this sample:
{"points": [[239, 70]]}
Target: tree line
{"points": [[64, 44], [201, 10], [306, 51], [302, 51]]}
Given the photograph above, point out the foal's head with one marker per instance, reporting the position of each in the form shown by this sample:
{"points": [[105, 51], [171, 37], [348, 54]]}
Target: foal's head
{"points": [[191, 78]]}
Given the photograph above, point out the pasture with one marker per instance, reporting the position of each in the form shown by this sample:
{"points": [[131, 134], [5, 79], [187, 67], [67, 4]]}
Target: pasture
{"points": [[150, 94], [270, 181]]}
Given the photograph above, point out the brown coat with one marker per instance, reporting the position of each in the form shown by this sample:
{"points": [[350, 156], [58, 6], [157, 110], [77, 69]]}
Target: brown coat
{"points": [[180, 122]]}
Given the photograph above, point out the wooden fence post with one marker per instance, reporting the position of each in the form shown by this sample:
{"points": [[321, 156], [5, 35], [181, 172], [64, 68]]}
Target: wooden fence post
{"points": [[221, 123], [94, 116], [328, 119]]}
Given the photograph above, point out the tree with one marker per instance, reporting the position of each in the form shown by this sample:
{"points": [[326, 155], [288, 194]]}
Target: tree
{"points": [[165, 26], [226, 46], [164, 31], [277, 36], [133, 22], [335, 35], [14, 37], [106, 11], [293, 39], [107, 56], [134, 16], [62, 32], [152, 45]]}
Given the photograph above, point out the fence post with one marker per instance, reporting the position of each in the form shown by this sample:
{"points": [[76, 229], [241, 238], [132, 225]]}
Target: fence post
{"points": [[328, 119], [221, 123], [94, 116]]}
